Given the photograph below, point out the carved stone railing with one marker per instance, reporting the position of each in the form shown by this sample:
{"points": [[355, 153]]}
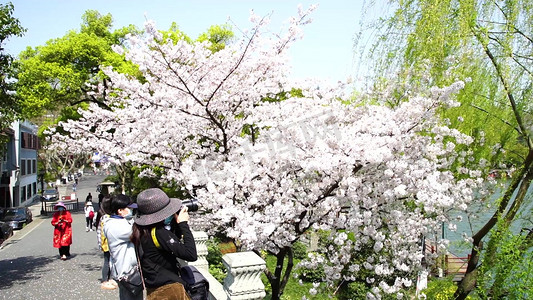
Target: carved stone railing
{"points": [[243, 269], [243, 279]]}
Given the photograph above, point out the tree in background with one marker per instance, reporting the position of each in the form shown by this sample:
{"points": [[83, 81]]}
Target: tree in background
{"points": [[270, 166], [9, 104], [489, 45], [58, 78], [54, 80], [61, 73]]}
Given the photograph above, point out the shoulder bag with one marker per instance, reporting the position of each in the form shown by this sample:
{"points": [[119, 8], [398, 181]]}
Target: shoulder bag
{"points": [[132, 279]]}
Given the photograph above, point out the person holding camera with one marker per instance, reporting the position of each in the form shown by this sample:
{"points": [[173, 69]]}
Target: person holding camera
{"points": [[62, 222], [158, 247]]}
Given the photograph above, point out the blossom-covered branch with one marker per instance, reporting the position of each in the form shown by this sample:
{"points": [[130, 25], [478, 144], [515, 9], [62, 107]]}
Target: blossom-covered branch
{"points": [[382, 175]]}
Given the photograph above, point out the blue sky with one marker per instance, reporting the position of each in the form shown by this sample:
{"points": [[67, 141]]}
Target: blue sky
{"points": [[326, 50]]}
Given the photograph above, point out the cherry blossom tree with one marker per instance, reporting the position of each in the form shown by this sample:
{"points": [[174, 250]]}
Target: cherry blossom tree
{"points": [[269, 167]]}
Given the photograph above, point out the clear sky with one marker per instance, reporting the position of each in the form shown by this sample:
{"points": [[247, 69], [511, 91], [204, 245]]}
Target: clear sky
{"points": [[326, 50]]}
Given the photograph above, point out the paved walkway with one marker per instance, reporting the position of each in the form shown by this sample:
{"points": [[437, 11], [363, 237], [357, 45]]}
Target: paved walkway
{"points": [[30, 267]]}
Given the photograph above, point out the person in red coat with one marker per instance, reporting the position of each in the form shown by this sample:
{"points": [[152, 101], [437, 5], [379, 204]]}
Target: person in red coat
{"points": [[62, 222]]}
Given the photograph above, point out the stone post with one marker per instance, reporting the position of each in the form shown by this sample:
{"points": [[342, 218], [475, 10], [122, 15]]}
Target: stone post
{"points": [[200, 239], [313, 242], [243, 280]]}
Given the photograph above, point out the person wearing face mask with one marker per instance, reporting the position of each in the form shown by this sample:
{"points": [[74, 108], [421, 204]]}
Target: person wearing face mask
{"points": [[118, 230], [62, 222], [162, 232]]}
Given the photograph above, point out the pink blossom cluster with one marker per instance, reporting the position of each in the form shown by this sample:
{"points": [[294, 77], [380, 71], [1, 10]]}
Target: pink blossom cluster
{"points": [[306, 163]]}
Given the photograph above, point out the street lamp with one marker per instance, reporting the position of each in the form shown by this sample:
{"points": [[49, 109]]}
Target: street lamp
{"points": [[41, 178]]}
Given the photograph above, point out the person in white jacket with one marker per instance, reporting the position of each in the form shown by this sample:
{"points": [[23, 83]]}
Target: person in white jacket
{"points": [[118, 229], [89, 215]]}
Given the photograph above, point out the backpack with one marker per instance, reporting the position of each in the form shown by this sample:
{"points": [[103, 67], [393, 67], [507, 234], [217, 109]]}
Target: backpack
{"points": [[91, 214], [197, 285]]}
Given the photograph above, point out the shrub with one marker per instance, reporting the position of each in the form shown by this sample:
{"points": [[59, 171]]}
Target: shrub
{"points": [[300, 250], [214, 258], [310, 274], [353, 290], [440, 289]]}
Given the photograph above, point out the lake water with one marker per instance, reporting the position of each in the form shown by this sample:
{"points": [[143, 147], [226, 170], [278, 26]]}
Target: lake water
{"points": [[473, 224]]}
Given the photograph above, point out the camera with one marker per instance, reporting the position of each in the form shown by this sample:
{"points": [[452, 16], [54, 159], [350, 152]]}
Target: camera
{"points": [[192, 204]]}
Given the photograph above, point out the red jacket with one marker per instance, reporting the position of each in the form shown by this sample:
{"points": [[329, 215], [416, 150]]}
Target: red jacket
{"points": [[62, 221]]}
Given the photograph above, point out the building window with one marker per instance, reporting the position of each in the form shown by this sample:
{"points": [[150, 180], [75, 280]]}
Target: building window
{"points": [[28, 166], [28, 191], [29, 141], [22, 167], [23, 194], [35, 188]]}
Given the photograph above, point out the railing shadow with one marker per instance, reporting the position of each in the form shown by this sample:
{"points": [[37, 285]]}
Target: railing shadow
{"points": [[22, 269]]}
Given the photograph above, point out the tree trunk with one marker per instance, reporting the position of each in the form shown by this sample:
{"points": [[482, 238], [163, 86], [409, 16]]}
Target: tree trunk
{"points": [[520, 183], [469, 281], [279, 279]]}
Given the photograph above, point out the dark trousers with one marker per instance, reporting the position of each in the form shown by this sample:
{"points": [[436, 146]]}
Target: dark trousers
{"points": [[89, 222], [125, 294], [65, 250]]}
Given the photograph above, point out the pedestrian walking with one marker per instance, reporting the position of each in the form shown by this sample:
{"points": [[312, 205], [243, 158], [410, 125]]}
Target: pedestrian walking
{"points": [[103, 214], [89, 216], [62, 222], [117, 229], [160, 247], [100, 198], [89, 198]]}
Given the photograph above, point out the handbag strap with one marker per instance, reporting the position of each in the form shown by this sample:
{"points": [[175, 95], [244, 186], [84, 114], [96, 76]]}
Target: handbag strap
{"points": [[139, 264]]}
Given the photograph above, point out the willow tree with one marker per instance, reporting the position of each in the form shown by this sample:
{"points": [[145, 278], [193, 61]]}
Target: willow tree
{"points": [[489, 44]]}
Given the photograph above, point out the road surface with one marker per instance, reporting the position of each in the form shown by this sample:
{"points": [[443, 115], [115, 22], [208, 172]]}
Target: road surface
{"points": [[30, 267]]}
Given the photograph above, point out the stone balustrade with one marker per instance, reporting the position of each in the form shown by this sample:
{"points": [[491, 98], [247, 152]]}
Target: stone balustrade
{"points": [[243, 269]]}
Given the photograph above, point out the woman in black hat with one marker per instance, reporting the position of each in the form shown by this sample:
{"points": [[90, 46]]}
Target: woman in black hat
{"points": [[162, 234]]}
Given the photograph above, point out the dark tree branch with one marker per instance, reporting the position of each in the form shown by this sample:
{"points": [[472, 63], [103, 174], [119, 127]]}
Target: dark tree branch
{"points": [[91, 98], [492, 115], [510, 95]]}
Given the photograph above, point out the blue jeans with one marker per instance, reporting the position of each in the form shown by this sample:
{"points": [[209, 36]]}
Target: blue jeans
{"points": [[106, 272]]}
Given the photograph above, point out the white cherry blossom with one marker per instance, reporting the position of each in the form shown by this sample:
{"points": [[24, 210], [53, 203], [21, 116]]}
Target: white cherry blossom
{"points": [[269, 172]]}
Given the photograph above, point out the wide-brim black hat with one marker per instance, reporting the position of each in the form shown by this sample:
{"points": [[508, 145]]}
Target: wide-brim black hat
{"points": [[153, 206]]}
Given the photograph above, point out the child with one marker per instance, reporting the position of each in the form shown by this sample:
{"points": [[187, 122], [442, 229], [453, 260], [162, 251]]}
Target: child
{"points": [[89, 215]]}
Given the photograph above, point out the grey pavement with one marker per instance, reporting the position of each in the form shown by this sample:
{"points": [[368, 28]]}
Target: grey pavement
{"points": [[30, 267]]}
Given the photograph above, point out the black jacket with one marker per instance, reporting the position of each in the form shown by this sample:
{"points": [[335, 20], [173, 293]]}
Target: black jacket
{"points": [[159, 266]]}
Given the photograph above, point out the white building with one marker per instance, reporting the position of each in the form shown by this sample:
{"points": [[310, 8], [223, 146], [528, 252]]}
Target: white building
{"points": [[19, 165]]}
